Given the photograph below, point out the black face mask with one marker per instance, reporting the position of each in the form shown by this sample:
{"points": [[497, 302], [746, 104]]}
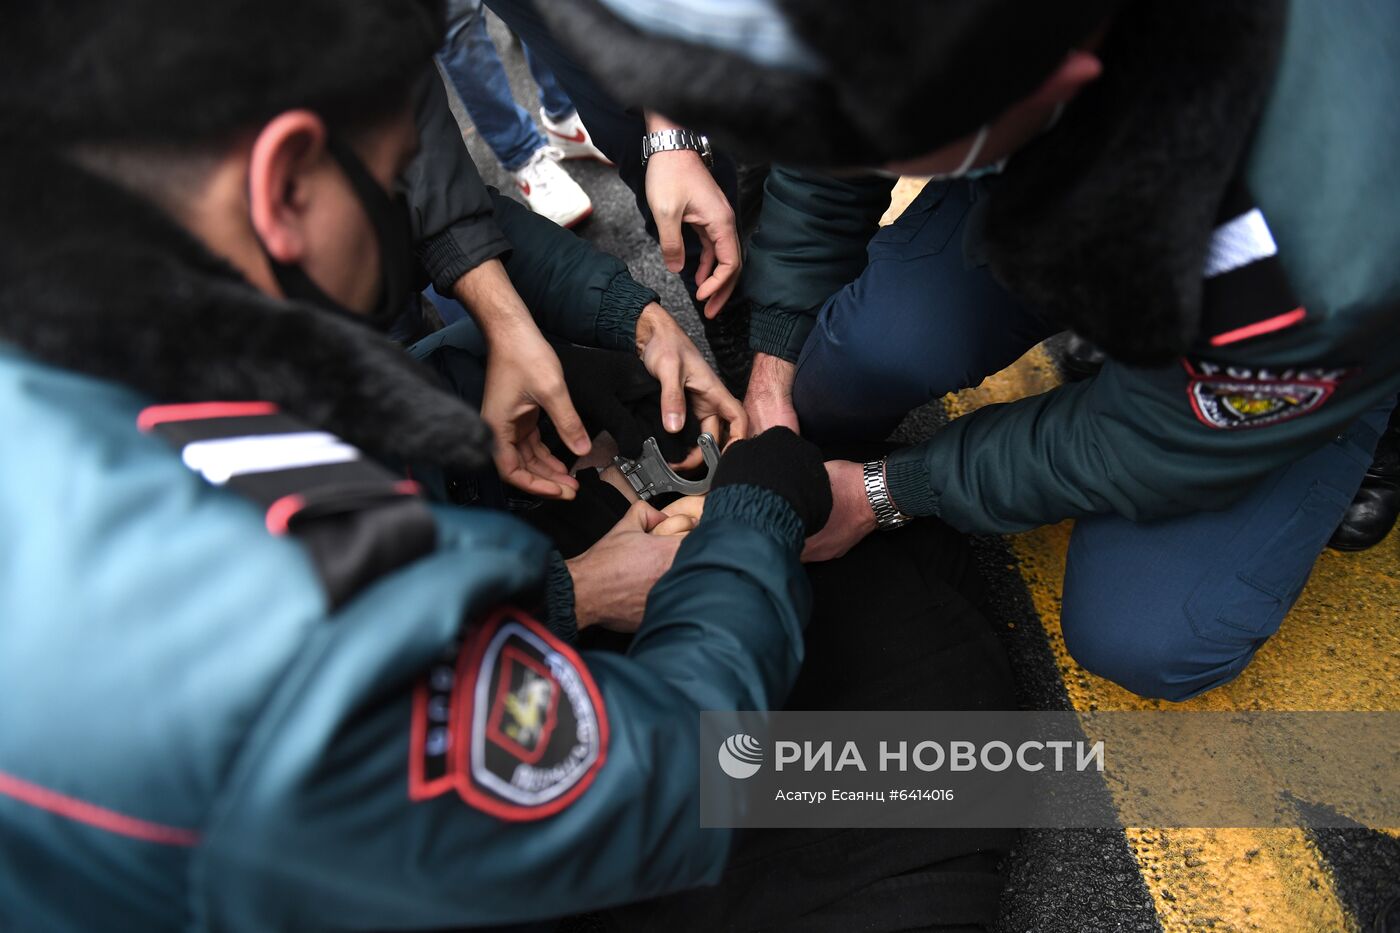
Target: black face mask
{"points": [[389, 217]]}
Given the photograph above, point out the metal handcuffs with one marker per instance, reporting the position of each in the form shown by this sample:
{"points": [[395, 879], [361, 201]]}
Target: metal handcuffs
{"points": [[649, 475]]}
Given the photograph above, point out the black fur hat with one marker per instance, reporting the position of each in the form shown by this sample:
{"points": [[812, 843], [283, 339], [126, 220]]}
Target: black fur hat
{"points": [[174, 71], [1102, 223], [892, 79]]}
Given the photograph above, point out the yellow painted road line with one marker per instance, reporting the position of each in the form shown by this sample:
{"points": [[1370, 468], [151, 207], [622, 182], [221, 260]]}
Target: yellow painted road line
{"points": [[1237, 880], [1233, 880], [1338, 649]]}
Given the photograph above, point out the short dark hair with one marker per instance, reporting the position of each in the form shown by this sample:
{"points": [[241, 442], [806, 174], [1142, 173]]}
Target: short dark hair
{"points": [[158, 72]]}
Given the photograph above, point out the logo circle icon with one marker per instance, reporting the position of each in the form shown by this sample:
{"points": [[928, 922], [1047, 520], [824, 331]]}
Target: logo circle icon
{"points": [[740, 756]]}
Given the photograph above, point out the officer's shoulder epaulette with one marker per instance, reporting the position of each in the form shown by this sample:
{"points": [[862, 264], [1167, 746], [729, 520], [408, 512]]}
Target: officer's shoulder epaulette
{"points": [[357, 520]]}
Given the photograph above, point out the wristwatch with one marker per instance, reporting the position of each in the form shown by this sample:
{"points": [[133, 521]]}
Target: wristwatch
{"points": [[668, 140], [886, 515]]}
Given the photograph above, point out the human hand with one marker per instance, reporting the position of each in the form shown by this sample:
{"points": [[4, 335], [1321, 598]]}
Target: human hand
{"points": [[523, 376], [768, 401], [674, 361], [613, 578], [680, 189], [852, 518], [681, 516]]}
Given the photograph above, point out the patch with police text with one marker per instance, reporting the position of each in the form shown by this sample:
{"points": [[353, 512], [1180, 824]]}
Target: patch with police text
{"points": [[1233, 397], [513, 722]]}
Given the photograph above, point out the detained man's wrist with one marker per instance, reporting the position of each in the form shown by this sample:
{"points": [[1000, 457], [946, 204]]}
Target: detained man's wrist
{"points": [[768, 366]]}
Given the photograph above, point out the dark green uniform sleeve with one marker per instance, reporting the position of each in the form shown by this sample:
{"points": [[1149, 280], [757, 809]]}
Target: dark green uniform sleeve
{"points": [[574, 290], [321, 827], [1127, 441], [810, 242]]}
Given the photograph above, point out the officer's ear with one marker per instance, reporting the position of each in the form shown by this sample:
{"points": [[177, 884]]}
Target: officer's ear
{"points": [[287, 160]]}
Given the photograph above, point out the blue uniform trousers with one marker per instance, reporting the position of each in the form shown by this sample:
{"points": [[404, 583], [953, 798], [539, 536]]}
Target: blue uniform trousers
{"points": [[1167, 608]]}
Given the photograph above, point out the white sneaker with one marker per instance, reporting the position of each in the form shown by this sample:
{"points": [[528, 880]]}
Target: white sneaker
{"points": [[571, 137], [550, 191]]}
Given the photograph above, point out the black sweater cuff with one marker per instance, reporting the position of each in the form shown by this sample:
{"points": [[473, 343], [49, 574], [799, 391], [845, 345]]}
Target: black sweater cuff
{"points": [[458, 250]]}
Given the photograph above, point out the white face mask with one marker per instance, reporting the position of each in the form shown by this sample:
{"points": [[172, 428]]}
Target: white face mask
{"points": [[964, 169]]}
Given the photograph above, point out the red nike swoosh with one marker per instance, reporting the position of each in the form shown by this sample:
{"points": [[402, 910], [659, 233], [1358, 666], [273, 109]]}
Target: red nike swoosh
{"points": [[524, 188], [579, 136]]}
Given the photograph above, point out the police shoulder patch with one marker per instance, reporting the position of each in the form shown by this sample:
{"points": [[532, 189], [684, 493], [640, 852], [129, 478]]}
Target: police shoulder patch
{"points": [[514, 723], [1233, 397]]}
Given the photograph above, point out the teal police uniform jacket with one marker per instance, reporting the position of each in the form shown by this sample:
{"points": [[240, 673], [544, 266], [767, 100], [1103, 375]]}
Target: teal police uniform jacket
{"points": [[1310, 244], [216, 717], [1299, 337]]}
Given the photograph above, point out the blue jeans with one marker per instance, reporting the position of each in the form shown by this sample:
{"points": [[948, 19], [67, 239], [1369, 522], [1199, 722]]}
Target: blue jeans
{"points": [[449, 309], [1168, 608], [615, 129], [474, 67]]}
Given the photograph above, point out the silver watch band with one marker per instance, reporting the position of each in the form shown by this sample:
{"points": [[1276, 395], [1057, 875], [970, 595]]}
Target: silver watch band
{"points": [[877, 491], [669, 140]]}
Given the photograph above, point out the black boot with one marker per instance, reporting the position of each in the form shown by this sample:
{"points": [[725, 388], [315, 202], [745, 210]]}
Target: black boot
{"points": [[1372, 512]]}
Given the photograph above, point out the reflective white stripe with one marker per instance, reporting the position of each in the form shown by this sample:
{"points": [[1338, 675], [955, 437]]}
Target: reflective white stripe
{"points": [[222, 459], [1243, 240]]}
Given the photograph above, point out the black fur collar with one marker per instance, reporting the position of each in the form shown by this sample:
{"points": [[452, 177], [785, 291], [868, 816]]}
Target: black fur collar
{"points": [[1104, 222], [96, 280]]}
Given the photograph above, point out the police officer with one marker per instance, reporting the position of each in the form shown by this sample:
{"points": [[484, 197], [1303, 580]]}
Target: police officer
{"points": [[1204, 192], [251, 680]]}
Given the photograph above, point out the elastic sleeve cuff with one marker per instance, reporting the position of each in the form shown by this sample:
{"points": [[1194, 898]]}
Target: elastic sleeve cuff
{"points": [[458, 250], [779, 333], [761, 508], [907, 477], [559, 599], [621, 305]]}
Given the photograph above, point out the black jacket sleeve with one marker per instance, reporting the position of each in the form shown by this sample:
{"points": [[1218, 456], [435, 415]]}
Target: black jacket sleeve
{"points": [[449, 206], [810, 242], [574, 290]]}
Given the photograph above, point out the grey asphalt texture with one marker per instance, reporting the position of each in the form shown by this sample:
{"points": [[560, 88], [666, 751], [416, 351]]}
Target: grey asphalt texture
{"points": [[1059, 881]]}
